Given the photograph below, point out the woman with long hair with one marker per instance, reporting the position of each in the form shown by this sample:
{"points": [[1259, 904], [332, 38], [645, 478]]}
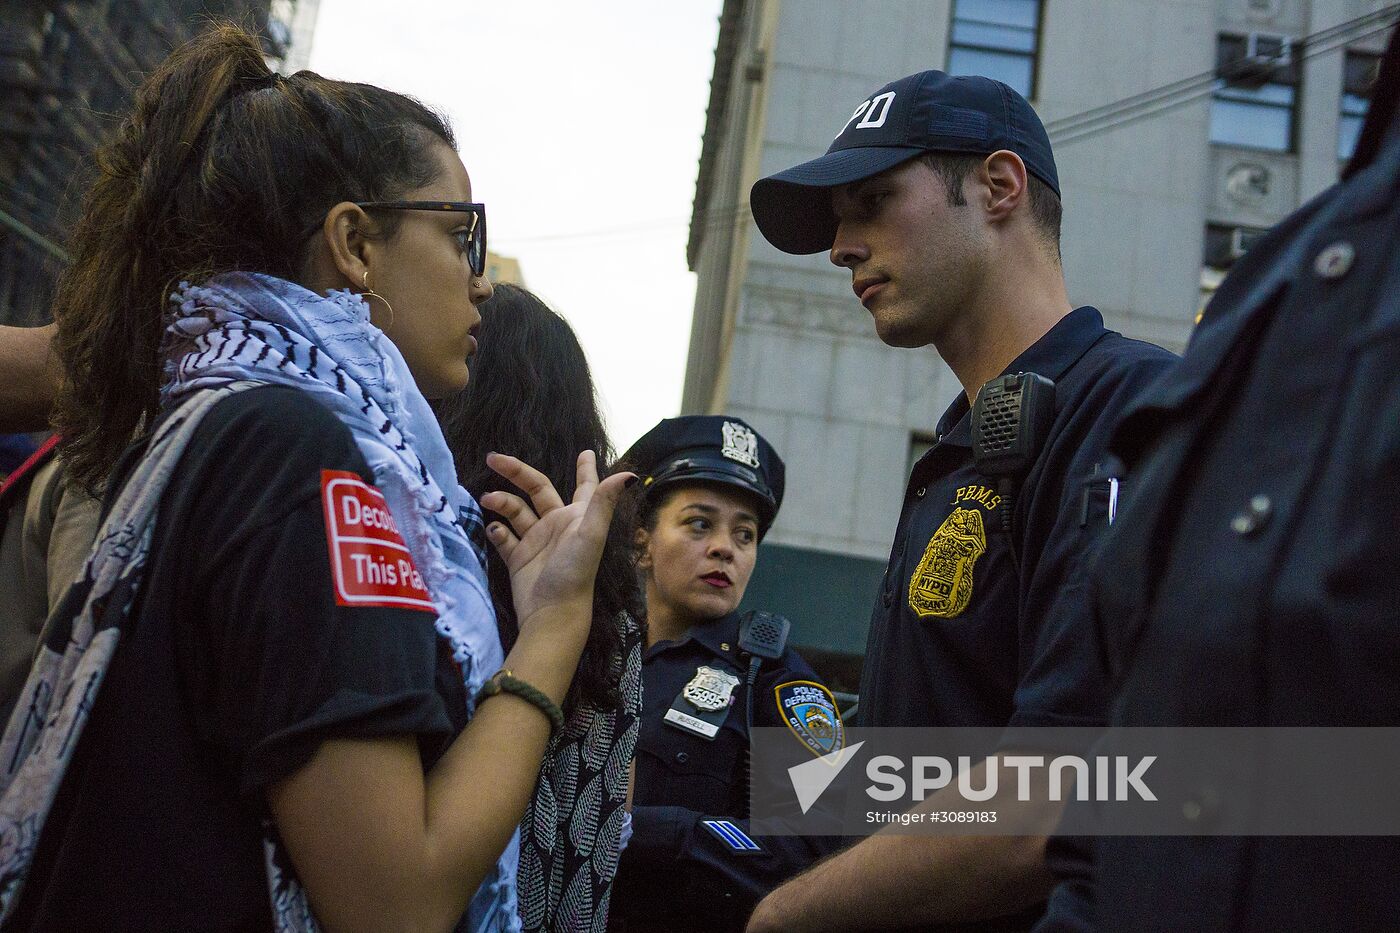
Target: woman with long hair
{"points": [[278, 699], [531, 395]]}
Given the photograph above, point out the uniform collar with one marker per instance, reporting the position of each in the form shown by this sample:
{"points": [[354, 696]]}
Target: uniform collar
{"points": [[1051, 356], [719, 637], [1382, 126]]}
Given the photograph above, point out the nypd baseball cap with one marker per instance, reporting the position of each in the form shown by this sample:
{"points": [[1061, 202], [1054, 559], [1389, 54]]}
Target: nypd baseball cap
{"points": [[710, 449], [925, 112]]}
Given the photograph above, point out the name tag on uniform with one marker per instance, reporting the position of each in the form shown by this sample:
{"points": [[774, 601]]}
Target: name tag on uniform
{"points": [[691, 724], [703, 704]]}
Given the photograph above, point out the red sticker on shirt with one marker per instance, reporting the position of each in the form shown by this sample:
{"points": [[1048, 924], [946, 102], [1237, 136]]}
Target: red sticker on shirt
{"points": [[370, 563]]}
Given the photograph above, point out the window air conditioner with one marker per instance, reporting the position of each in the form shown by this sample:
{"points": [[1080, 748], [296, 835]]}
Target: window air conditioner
{"points": [[1269, 51], [1242, 241]]}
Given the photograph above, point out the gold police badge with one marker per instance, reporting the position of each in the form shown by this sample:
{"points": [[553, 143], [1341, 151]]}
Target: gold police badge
{"points": [[942, 584], [709, 690]]}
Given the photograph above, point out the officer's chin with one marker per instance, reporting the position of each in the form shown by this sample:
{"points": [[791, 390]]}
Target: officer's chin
{"points": [[710, 606]]}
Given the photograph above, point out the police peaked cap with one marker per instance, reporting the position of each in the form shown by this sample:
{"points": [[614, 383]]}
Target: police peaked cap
{"points": [[710, 449]]}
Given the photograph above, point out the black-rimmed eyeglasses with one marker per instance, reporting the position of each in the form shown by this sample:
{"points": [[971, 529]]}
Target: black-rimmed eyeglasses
{"points": [[476, 233]]}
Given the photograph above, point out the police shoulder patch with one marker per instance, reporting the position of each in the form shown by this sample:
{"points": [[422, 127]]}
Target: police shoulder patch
{"points": [[810, 712]]}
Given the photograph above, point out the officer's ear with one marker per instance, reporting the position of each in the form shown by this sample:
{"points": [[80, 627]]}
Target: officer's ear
{"points": [[641, 549], [1004, 184]]}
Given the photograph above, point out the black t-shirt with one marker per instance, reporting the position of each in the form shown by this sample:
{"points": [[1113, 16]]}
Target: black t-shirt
{"points": [[236, 662]]}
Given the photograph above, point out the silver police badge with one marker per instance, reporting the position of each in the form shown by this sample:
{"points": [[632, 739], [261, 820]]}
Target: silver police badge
{"points": [[709, 690], [739, 444]]}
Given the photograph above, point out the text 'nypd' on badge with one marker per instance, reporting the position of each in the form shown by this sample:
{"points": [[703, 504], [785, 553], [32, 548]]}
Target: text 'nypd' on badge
{"points": [[709, 695], [810, 712], [740, 443], [941, 586], [370, 564]]}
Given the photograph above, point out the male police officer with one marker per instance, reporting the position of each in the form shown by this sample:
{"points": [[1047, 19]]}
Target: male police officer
{"points": [[1259, 543], [940, 195], [711, 487]]}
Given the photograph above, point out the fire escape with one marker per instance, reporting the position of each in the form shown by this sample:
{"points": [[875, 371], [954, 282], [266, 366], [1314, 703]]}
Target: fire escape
{"points": [[67, 74]]}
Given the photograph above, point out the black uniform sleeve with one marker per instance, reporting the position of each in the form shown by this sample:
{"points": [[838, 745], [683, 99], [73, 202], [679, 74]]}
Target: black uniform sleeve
{"points": [[710, 864], [273, 664], [1064, 681], [1070, 908]]}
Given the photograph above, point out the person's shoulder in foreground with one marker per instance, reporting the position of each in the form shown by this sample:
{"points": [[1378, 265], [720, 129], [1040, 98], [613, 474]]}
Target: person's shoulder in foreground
{"points": [[1275, 406]]}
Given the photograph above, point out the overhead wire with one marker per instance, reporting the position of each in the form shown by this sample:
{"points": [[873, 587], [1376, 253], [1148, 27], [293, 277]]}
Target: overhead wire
{"points": [[1193, 83], [1066, 130], [1310, 47]]}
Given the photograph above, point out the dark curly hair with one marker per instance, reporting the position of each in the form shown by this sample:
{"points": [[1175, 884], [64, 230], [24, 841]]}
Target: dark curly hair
{"points": [[221, 165], [531, 396]]}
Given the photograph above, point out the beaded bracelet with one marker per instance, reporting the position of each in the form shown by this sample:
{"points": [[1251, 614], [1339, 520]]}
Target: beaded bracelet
{"points": [[503, 681]]}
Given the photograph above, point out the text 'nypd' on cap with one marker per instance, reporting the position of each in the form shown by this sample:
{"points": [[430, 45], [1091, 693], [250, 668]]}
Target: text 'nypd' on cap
{"points": [[926, 112]]}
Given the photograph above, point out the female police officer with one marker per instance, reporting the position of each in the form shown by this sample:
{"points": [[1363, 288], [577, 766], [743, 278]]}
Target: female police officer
{"points": [[711, 487]]}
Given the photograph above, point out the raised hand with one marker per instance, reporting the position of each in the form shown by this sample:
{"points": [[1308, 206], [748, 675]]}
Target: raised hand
{"points": [[552, 549]]}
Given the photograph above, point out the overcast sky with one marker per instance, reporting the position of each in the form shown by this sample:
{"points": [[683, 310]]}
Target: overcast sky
{"points": [[580, 125]]}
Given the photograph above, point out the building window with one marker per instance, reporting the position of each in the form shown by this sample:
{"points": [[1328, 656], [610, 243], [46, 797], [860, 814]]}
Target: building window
{"points": [[1256, 93], [998, 39], [1357, 81], [1224, 246]]}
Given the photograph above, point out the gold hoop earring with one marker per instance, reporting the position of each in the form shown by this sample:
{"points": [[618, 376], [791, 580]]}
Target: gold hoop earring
{"points": [[371, 293]]}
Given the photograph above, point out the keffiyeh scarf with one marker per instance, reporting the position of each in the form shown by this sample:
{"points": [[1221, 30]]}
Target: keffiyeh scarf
{"points": [[235, 331]]}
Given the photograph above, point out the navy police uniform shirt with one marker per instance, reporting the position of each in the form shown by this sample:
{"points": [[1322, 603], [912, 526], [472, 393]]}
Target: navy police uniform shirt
{"points": [[1250, 579], [957, 638], [691, 863]]}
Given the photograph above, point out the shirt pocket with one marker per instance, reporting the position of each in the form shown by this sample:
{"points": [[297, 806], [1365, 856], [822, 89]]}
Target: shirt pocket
{"points": [[700, 774]]}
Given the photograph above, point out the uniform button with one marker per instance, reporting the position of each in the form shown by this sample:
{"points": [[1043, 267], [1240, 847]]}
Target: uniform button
{"points": [[682, 758], [1335, 261], [1253, 518], [1202, 807], [920, 492]]}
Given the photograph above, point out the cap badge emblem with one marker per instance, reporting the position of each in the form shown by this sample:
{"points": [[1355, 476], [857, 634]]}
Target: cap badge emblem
{"points": [[740, 444]]}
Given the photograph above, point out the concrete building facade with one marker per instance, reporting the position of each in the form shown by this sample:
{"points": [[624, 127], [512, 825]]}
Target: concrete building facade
{"points": [[1161, 161]]}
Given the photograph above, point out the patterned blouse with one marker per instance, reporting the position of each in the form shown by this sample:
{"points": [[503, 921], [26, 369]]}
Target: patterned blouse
{"points": [[573, 829]]}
